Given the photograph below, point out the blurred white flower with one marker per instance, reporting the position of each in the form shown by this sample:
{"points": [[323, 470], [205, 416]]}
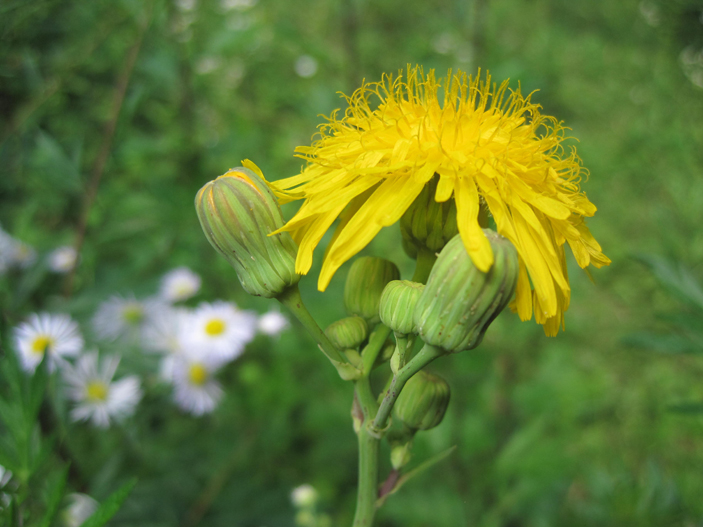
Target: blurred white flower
{"points": [[220, 328], [207, 65], [273, 323], [195, 389], [23, 255], [124, 316], [56, 335], [62, 259], [305, 66], [179, 284], [6, 251], [186, 5], [304, 496], [163, 330], [6, 493], [5, 476], [97, 398], [239, 5], [80, 508]]}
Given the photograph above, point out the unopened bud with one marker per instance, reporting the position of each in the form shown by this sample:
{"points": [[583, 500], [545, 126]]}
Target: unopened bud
{"points": [[365, 282], [424, 400], [237, 211], [459, 302], [427, 223], [398, 303], [348, 333]]}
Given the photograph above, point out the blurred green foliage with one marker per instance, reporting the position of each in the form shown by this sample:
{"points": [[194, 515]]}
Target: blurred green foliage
{"points": [[573, 430]]}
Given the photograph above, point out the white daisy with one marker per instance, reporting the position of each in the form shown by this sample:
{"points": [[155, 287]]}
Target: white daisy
{"points": [[62, 259], [220, 328], [55, 335], [272, 323], [195, 389], [97, 397], [80, 508], [124, 316], [179, 284]]}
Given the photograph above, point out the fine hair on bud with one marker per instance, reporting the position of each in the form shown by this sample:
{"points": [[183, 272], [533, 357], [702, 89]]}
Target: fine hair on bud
{"points": [[459, 301]]}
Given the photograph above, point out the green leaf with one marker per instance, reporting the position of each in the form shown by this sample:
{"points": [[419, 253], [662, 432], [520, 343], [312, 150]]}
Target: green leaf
{"points": [[676, 279], [689, 408], [55, 496], [110, 506], [672, 344]]}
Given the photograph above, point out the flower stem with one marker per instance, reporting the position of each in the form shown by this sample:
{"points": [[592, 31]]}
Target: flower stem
{"points": [[292, 300], [426, 355], [423, 265], [368, 478]]}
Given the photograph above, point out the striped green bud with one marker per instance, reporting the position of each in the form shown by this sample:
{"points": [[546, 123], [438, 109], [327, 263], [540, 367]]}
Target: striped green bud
{"points": [[459, 302], [427, 223], [348, 333], [367, 277], [237, 211], [424, 400], [398, 305]]}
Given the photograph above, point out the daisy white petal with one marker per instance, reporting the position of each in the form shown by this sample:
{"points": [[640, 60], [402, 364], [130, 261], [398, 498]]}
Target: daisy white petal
{"points": [[195, 389], [124, 316], [56, 335], [162, 330], [81, 508], [220, 328], [98, 398]]}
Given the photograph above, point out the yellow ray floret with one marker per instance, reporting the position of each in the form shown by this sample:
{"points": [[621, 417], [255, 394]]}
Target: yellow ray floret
{"points": [[489, 146]]}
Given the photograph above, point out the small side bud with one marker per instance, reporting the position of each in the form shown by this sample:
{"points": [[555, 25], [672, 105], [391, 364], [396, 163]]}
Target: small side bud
{"points": [[237, 211], [397, 305], [362, 292], [459, 302], [348, 333], [424, 400], [428, 224]]}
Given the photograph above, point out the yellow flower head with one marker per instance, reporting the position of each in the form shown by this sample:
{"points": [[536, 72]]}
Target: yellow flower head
{"points": [[489, 146]]}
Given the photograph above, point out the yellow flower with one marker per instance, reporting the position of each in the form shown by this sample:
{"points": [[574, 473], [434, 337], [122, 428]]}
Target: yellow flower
{"points": [[489, 146]]}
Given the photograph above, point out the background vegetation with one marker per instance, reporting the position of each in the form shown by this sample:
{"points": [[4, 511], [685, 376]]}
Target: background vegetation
{"points": [[114, 113]]}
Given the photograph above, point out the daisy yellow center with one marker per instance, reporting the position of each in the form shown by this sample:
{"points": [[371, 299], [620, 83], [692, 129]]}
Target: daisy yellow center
{"points": [[197, 374], [215, 327], [41, 344], [96, 391], [483, 145], [133, 315]]}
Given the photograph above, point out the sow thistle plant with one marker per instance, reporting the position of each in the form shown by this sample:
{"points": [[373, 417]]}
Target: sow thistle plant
{"points": [[486, 196]]}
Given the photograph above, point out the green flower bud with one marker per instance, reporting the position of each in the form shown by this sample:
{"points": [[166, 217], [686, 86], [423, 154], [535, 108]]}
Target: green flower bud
{"points": [[348, 333], [423, 401], [367, 278], [459, 302], [398, 304], [428, 224], [237, 211]]}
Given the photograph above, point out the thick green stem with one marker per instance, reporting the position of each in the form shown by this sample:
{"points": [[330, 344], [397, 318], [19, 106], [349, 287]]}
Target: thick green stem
{"points": [[368, 478], [426, 355], [292, 300], [423, 265]]}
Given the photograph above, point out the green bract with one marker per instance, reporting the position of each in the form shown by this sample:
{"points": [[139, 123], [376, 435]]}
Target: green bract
{"points": [[398, 305], [459, 301], [423, 401], [365, 282], [237, 211], [348, 333], [427, 223]]}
